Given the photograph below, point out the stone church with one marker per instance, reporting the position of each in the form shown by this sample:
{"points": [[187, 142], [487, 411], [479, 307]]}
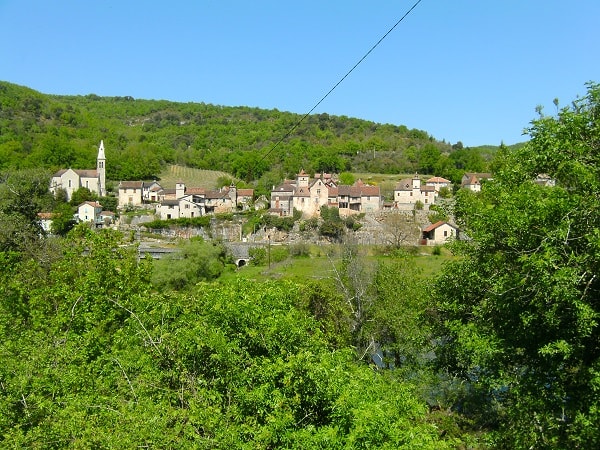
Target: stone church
{"points": [[69, 180]]}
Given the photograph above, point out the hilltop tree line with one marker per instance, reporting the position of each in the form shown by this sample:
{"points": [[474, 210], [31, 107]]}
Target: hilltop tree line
{"points": [[142, 136]]}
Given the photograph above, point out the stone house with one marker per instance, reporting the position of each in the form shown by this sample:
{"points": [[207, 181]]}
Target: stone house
{"points": [[309, 196], [90, 212], [137, 193], [439, 233], [473, 180], [195, 202], [131, 193], [409, 191], [438, 183]]}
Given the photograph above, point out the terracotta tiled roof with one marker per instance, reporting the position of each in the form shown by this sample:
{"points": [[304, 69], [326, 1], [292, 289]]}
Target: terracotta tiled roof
{"points": [[195, 191], [246, 192], [436, 225]]}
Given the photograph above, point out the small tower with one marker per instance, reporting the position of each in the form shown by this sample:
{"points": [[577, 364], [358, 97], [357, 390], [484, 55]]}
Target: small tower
{"points": [[179, 189], [416, 184], [233, 194], [101, 169], [302, 179]]}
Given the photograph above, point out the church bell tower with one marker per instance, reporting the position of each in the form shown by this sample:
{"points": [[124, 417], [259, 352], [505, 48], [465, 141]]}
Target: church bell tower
{"points": [[101, 169]]}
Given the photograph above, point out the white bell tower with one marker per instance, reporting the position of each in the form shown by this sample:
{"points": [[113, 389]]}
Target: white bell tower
{"points": [[101, 169]]}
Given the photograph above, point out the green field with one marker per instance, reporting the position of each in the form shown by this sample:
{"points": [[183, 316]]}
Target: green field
{"points": [[320, 264]]}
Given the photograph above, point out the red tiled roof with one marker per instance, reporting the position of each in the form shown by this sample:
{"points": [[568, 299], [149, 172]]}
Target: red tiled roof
{"points": [[436, 225], [195, 191]]}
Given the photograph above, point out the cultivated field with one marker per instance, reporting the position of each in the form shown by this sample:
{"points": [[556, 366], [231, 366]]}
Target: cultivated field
{"points": [[191, 177]]}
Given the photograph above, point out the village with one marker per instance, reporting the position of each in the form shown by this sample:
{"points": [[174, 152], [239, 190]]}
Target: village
{"points": [[305, 194]]}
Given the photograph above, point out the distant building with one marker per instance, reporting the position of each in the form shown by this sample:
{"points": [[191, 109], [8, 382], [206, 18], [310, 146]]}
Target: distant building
{"points": [[69, 180], [195, 202], [439, 233], [309, 196], [438, 182], [473, 180], [409, 191]]}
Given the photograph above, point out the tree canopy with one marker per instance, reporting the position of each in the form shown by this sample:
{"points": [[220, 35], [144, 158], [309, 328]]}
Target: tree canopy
{"points": [[520, 309]]}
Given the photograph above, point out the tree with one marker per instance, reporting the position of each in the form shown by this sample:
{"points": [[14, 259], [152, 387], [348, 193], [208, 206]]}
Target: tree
{"points": [[195, 261], [82, 195], [23, 194], [399, 228], [62, 219], [520, 307], [347, 178], [93, 358]]}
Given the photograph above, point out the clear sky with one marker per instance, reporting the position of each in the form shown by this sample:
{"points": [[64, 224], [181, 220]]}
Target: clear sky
{"points": [[461, 70]]}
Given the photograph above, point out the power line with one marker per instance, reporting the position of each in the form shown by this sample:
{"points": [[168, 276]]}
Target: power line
{"points": [[297, 124]]}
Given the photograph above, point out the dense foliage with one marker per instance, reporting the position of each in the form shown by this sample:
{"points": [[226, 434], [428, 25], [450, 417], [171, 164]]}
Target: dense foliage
{"points": [[141, 136], [521, 307], [92, 357]]}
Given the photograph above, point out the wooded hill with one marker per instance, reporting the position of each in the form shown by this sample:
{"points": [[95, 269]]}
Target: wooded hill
{"points": [[258, 145]]}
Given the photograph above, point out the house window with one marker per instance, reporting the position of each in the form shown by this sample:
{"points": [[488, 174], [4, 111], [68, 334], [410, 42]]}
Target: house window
{"points": [[69, 183], [411, 194], [87, 184], [318, 191], [445, 233]]}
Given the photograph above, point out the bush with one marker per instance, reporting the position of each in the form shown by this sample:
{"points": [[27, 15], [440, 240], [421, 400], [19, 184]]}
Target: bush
{"points": [[258, 256], [301, 249]]}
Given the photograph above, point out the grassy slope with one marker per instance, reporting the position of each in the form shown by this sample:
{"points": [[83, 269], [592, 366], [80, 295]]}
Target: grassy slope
{"points": [[191, 177]]}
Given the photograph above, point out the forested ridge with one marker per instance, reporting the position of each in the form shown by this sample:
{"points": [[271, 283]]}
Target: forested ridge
{"points": [[142, 136], [500, 348]]}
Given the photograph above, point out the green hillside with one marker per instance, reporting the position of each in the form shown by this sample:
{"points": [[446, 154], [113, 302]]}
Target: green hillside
{"points": [[144, 137]]}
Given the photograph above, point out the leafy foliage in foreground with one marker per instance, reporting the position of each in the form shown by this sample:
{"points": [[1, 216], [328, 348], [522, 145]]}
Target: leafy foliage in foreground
{"points": [[91, 357], [521, 312]]}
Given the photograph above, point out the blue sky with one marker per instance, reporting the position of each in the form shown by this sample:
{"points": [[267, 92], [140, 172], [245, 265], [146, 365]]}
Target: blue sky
{"points": [[463, 70]]}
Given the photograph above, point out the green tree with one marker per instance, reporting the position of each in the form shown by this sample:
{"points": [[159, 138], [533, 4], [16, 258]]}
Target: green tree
{"points": [[347, 178], [520, 307], [62, 219], [23, 194], [82, 195], [196, 260]]}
